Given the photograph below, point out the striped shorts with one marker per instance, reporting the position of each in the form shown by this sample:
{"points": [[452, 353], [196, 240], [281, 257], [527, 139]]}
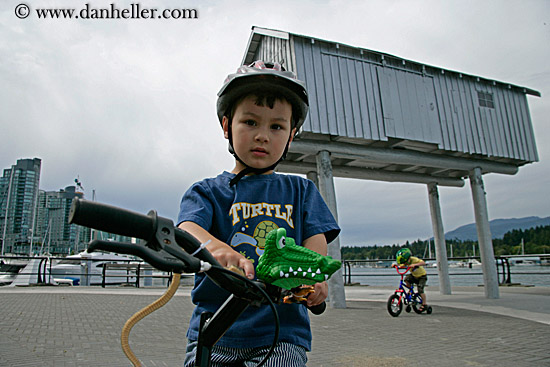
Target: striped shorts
{"points": [[285, 354]]}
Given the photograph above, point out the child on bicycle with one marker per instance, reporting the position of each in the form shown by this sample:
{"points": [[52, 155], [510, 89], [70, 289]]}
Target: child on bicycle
{"points": [[417, 273], [260, 108]]}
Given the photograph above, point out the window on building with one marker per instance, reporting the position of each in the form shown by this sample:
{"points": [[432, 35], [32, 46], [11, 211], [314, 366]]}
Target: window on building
{"points": [[485, 99]]}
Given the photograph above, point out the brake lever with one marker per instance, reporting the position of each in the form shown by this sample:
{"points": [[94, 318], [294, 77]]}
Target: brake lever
{"points": [[158, 259], [161, 250]]}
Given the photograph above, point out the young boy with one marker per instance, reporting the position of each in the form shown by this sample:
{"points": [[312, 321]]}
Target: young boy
{"points": [[417, 274], [260, 109]]}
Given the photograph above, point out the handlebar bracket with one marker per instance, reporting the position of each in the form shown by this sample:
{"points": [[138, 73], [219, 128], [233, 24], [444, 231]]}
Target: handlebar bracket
{"points": [[161, 249]]}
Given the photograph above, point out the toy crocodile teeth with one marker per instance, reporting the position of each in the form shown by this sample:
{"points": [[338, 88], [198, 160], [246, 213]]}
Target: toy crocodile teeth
{"points": [[281, 256]]}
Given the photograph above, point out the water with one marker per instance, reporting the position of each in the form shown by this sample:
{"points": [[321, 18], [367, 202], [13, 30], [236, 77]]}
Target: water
{"points": [[525, 275]]}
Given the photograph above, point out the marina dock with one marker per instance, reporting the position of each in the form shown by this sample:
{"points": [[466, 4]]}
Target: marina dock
{"points": [[81, 326]]}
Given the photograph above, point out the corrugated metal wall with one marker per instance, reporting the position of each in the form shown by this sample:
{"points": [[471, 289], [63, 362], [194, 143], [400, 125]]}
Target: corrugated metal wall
{"points": [[344, 96], [277, 50], [503, 131], [357, 93]]}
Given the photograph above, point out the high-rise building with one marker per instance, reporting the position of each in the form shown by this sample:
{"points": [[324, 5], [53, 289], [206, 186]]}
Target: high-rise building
{"points": [[18, 202], [58, 236], [34, 221]]}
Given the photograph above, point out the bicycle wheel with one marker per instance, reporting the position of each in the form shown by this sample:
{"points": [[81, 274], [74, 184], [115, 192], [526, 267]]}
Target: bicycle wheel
{"points": [[394, 305], [416, 304]]}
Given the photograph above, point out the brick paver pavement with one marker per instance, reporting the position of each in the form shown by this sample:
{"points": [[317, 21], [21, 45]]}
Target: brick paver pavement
{"points": [[82, 329]]}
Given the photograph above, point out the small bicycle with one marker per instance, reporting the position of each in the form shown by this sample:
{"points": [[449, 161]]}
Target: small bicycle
{"points": [[407, 296]]}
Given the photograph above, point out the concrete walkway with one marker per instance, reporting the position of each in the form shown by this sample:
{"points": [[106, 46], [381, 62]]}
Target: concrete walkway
{"points": [[529, 303], [80, 326]]}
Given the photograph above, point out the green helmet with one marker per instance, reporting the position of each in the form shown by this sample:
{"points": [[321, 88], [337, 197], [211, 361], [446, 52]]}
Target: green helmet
{"points": [[403, 256]]}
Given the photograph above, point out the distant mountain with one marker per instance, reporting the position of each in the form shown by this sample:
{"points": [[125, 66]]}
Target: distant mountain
{"points": [[498, 227]]}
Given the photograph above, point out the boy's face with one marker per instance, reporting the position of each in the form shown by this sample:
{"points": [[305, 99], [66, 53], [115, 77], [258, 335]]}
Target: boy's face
{"points": [[260, 133]]}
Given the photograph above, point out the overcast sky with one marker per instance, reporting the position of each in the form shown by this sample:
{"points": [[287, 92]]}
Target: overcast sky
{"points": [[128, 106]]}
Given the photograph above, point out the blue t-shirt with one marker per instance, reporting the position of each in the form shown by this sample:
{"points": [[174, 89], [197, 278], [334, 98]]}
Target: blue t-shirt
{"points": [[241, 216]]}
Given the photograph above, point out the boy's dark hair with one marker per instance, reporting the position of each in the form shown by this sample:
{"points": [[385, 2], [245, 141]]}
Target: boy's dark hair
{"points": [[263, 99]]}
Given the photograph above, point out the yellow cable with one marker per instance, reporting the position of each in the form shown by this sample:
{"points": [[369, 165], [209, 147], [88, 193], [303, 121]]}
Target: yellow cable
{"points": [[144, 312]]}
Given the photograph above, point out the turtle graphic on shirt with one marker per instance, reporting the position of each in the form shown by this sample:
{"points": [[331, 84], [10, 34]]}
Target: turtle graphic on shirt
{"points": [[257, 239]]}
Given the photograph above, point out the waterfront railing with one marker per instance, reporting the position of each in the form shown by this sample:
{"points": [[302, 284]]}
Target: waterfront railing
{"points": [[138, 273], [113, 271], [368, 268]]}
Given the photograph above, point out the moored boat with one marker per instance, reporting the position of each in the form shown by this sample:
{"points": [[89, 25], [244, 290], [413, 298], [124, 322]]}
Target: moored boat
{"points": [[86, 268]]}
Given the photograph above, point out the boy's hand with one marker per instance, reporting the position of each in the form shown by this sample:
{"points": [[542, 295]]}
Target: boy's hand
{"points": [[222, 252], [227, 257], [317, 243], [320, 294]]}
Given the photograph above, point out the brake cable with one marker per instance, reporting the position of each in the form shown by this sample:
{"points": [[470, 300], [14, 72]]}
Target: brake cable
{"points": [[269, 302], [167, 296], [144, 312]]}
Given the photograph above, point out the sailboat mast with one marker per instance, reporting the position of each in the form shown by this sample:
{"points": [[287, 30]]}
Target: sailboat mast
{"points": [[93, 231]]}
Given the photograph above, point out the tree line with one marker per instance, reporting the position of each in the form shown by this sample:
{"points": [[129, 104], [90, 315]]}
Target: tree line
{"points": [[535, 240]]}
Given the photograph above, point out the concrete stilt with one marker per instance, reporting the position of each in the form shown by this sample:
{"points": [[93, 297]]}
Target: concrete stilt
{"points": [[439, 236], [336, 289], [490, 276], [312, 175]]}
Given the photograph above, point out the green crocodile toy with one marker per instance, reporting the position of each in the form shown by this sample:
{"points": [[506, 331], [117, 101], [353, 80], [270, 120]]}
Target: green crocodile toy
{"points": [[288, 265]]}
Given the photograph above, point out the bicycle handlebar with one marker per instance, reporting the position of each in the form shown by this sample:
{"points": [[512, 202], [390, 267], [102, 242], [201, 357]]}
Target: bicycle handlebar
{"points": [[111, 219], [163, 245], [404, 272], [123, 222]]}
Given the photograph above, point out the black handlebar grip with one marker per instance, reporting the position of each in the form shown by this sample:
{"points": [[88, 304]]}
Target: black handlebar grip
{"points": [[111, 219], [318, 309]]}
